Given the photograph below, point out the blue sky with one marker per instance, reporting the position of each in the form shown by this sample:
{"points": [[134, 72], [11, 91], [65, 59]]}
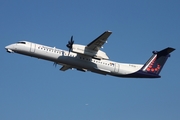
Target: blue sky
{"points": [[32, 89]]}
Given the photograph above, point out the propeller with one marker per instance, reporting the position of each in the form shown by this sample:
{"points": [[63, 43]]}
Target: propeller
{"points": [[55, 64], [70, 44]]}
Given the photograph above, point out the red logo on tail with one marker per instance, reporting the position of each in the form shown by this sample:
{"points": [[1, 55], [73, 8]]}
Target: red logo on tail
{"points": [[153, 67]]}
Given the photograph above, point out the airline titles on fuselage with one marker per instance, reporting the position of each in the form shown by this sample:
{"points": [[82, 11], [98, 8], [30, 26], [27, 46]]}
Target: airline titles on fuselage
{"points": [[61, 52]]}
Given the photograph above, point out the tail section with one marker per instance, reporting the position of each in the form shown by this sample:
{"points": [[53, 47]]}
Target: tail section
{"points": [[155, 64]]}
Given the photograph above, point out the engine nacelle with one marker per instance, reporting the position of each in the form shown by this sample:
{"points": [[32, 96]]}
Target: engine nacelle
{"points": [[81, 49]]}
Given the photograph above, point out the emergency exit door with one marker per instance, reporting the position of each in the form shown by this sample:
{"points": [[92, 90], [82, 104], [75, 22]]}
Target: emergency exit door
{"points": [[116, 68]]}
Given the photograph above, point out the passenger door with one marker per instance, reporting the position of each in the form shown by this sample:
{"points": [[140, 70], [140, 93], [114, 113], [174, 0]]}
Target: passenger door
{"points": [[32, 47]]}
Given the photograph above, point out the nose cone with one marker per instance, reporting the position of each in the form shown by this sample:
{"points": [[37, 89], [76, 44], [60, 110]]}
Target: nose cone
{"points": [[9, 48]]}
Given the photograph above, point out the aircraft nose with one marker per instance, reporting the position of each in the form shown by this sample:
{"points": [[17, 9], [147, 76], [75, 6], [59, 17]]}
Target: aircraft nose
{"points": [[9, 48]]}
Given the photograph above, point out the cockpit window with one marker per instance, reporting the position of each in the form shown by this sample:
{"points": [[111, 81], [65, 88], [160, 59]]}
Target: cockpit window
{"points": [[22, 42]]}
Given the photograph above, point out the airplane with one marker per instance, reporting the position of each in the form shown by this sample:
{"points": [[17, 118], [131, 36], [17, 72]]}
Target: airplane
{"points": [[91, 58]]}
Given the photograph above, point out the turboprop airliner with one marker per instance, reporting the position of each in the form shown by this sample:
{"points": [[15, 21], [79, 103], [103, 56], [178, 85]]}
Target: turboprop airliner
{"points": [[91, 58]]}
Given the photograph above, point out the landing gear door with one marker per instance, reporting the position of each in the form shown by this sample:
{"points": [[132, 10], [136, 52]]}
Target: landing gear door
{"points": [[33, 47], [116, 68]]}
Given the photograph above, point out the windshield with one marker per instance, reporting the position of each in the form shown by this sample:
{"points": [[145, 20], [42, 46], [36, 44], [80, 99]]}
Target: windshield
{"points": [[22, 42]]}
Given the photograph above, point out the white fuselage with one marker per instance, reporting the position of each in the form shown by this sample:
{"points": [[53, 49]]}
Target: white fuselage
{"points": [[75, 60]]}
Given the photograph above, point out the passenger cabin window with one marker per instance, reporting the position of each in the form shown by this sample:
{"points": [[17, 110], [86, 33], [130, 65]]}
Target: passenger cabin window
{"points": [[22, 42]]}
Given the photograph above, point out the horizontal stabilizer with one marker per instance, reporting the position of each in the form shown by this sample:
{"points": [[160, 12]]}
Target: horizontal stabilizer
{"points": [[164, 52]]}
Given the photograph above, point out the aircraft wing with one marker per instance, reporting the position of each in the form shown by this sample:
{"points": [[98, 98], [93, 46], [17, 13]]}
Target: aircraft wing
{"points": [[65, 67], [99, 42]]}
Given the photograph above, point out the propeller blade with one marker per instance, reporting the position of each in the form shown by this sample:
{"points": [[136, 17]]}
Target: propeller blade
{"points": [[70, 44], [69, 52], [72, 41], [71, 38], [55, 64]]}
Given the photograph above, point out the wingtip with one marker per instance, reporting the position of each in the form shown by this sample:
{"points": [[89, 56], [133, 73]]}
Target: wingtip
{"points": [[108, 31]]}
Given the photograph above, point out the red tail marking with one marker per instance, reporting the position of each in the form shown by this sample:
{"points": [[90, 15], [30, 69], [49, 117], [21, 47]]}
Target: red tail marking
{"points": [[152, 68]]}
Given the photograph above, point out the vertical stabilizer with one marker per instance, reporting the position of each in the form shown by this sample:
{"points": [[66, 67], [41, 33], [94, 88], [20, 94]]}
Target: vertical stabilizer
{"points": [[155, 64]]}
